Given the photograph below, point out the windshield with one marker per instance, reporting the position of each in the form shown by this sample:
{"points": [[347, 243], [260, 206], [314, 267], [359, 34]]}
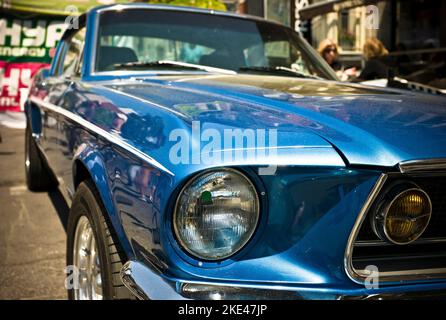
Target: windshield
{"points": [[139, 38]]}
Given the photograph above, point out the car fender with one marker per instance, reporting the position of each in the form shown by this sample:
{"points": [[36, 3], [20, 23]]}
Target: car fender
{"points": [[92, 161]]}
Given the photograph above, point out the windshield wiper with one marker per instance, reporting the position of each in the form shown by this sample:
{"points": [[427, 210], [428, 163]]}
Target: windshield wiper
{"points": [[279, 71], [169, 64]]}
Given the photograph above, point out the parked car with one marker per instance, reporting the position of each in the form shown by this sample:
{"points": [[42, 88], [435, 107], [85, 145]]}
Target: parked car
{"points": [[207, 155]]}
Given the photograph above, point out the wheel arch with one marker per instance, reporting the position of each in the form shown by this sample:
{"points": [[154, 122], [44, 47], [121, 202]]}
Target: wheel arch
{"points": [[80, 173], [89, 166], [34, 117]]}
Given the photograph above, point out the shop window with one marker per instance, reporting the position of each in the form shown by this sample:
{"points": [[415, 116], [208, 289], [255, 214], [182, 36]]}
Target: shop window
{"points": [[347, 30], [279, 11]]}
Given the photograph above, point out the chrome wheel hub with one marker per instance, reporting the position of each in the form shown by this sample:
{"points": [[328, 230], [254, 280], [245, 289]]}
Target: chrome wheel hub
{"points": [[87, 262]]}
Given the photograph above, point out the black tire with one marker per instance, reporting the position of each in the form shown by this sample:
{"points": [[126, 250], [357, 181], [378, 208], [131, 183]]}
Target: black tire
{"points": [[38, 176], [87, 203]]}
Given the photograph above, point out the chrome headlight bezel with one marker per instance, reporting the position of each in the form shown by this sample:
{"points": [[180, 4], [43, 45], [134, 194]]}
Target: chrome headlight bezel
{"points": [[250, 235]]}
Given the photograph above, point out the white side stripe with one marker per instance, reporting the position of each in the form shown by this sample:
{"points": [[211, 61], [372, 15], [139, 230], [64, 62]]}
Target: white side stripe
{"points": [[104, 134]]}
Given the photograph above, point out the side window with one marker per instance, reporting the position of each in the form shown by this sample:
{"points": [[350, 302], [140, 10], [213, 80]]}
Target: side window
{"points": [[73, 53]]}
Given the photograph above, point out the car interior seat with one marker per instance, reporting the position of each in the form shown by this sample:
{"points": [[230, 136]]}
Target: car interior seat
{"points": [[109, 56], [224, 60]]}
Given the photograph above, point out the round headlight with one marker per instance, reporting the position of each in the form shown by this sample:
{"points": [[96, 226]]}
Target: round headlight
{"points": [[216, 214], [404, 216]]}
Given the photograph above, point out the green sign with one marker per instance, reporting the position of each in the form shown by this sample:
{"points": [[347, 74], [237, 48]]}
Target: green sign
{"points": [[29, 39]]}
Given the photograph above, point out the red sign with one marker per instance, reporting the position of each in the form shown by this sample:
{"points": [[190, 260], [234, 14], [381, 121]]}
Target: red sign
{"points": [[26, 44], [16, 79]]}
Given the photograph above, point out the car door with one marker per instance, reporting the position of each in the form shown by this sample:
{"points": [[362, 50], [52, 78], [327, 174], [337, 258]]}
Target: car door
{"points": [[59, 131]]}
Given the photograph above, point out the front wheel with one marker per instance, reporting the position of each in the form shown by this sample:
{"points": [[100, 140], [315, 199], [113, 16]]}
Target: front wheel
{"points": [[91, 251]]}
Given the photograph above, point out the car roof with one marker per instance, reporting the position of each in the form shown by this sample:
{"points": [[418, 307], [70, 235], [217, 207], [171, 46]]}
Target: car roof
{"points": [[124, 6]]}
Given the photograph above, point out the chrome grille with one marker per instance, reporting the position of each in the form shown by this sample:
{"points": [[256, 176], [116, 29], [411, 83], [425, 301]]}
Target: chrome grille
{"points": [[424, 258]]}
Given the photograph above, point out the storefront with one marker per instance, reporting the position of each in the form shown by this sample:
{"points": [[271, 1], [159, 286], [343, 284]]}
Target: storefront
{"points": [[399, 22], [413, 31], [275, 10]]}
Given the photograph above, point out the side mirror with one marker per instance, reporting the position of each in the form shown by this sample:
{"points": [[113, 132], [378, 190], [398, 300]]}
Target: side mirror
{"points": [[43, 73], [40, 77]]}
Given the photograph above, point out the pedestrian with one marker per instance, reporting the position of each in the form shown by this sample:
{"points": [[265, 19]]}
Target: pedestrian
{"points": [[376, 56], [328, 49], [329, 52]]}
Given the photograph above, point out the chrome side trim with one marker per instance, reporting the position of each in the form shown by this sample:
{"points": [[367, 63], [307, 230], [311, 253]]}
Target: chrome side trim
{"points": [[146, 283], [422, 165], [427, 295], [405, 275], [348, 262], [116, 140], [127, 277], [380, 243]]}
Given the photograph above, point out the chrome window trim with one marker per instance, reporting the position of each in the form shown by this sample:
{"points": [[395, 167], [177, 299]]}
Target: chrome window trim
{"points": [[60, 58], [119, 7], [94, 43], [359, 277], [80, 61]]}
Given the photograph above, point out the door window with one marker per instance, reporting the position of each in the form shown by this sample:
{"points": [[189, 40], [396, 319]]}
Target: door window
{"points": [[73, 54]]}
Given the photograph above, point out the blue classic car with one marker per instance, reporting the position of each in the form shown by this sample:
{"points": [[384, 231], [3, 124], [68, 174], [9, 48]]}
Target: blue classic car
{"points": [[207, 155]]}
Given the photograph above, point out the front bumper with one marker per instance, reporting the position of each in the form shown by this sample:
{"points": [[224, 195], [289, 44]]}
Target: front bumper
{"points": [[145, 284]]}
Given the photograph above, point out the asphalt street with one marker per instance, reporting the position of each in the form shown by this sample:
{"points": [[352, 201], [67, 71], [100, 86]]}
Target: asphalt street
{"points": [[32, 231]]}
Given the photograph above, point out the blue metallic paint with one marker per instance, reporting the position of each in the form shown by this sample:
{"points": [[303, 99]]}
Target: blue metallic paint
{"points": [[308, 211], [370, 126]]}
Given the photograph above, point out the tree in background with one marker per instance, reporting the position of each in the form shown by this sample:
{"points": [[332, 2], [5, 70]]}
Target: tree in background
{"points": [[205, 4]]}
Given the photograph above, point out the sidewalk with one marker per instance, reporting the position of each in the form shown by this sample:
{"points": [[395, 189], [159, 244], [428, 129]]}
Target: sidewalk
{"points": [[13, 120], [32, 237]]}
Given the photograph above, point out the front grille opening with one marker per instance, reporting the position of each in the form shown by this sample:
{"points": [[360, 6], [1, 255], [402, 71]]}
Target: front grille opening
{"points": [[425, 255]]}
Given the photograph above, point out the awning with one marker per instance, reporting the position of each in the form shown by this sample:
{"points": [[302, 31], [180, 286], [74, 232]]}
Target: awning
{"points": [[324, 7], [54, 7]]}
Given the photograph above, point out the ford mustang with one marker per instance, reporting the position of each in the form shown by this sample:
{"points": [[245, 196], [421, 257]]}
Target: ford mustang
{"points": [[208, 155]]}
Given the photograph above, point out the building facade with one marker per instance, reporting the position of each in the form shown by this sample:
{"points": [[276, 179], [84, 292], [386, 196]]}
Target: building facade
{"points": [[414, 31]]}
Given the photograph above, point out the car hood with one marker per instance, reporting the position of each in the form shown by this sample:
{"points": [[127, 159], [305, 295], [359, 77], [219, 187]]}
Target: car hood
{"points": [[366, 125]]}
